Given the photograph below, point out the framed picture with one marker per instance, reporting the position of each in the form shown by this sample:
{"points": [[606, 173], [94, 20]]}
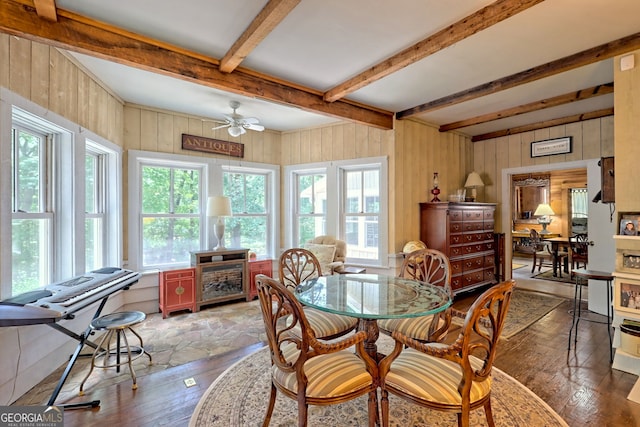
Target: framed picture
{"points": [[628, 227], [627, 296], [550, 147]]}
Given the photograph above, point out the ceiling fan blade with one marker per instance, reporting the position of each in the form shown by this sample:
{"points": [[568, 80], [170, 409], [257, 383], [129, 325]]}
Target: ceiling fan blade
{"points": [[250, 120], [251, 126], [229, 118], [221, 126]]}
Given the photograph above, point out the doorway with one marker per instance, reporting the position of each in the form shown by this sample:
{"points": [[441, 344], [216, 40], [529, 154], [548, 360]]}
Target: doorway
{"points": [[599, 221]]}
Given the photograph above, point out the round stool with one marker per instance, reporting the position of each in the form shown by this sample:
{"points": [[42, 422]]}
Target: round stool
{"points": [[116, 325]]}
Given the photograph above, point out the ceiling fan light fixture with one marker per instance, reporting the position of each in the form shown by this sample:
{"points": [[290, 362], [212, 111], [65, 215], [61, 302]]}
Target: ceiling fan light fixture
{"points": [[235, 131]]}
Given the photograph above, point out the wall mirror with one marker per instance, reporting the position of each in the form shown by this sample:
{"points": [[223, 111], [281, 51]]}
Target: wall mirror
{"points": [[528, 192]]}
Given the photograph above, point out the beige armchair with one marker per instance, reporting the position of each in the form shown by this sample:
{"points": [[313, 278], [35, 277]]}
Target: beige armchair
{"points": [[331, 252]]}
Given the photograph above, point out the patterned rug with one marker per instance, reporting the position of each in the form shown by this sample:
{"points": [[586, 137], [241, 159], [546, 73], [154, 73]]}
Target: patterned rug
{"points": [[240, 395], [548, 275], [525, 309]]}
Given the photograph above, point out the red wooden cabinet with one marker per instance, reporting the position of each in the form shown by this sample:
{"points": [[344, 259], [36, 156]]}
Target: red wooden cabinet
{"points": [[177, 291], [261, 266]]}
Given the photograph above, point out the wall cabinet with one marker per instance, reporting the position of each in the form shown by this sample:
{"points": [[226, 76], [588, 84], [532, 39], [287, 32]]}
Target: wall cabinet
{"points": [[465, 233], [258, 266], [177, 291], [220, 275]]}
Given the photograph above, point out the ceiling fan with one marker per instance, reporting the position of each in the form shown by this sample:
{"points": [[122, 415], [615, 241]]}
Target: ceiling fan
{"points": [[237, 124]]}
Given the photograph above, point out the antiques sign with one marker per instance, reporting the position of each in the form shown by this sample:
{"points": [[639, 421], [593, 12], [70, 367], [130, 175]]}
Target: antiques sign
{"points": [[211, 145]]}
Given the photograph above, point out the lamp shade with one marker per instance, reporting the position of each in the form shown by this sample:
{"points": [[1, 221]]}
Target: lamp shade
{"points": [[474, 180], [543, 209], [219, 206]]}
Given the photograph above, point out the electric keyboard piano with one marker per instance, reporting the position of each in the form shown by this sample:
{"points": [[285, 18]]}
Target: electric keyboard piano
{"points": [[61, 300]]}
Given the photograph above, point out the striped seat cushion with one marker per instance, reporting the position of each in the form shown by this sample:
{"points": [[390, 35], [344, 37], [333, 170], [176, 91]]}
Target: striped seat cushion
{"points": [[433, 379], [327, 324], [329, 375], [413, 327]]}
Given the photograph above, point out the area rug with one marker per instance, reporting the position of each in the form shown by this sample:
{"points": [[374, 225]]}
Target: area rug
{"points": [[525, 309], [240, 396], [515, 265], [548, 275]]}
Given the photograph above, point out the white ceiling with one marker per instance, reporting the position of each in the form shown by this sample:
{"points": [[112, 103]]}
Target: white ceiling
{"points": [[322, 43]]}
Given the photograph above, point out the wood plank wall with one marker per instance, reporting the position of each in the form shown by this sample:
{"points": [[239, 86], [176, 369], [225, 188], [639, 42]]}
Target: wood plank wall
{"points": [[592, 139], [57, 82], [420, 150]]}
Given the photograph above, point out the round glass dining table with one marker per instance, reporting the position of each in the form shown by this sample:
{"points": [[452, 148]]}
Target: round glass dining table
{"points": [[370, 297]]}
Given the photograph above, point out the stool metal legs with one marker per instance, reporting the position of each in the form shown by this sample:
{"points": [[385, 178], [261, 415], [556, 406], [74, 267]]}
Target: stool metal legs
{"points": [[577, 314], [132, 353]]}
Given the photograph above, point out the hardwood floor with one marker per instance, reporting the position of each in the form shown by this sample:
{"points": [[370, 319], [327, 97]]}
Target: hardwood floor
{"points": [[580, 386]]}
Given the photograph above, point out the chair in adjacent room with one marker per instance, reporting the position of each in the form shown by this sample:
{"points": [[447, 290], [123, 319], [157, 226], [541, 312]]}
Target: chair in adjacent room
{"points": [[297, 265], [306, 369], [579, 251], [455, 377], [433, 267], [543, 254]]}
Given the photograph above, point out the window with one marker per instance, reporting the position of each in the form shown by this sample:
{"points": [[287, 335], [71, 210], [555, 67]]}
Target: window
{"points": [[170, 216], [310, 206], [167, 207], [94, 223], [63, 211], [32, 219], [352, 212], [361, 191], [249, 227]]}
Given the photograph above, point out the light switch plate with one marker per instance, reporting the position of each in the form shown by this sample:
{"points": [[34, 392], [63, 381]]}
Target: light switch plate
{"points": [[627, 62]]}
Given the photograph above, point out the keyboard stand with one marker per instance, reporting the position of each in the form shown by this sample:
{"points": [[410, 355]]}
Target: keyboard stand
{"points": [[82, 340]]}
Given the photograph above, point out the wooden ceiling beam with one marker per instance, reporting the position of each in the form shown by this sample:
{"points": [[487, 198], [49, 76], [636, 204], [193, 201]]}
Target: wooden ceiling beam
{"points": [[580, 59], [46, 9], [533, 106], [466, 27], [269, 17], [545, 124], [81, 34]]}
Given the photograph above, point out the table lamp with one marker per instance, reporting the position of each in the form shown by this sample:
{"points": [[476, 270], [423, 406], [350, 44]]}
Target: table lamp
{"points": [[473, 181], [219, 207], [544, 210]]}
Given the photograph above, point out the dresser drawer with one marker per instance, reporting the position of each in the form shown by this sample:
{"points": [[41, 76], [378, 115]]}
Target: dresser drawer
{"points": [[456, 227], [474, 263], [470, 279], [179, 274], [489, 214], [473, 226], [473, 215], [455, 215]]}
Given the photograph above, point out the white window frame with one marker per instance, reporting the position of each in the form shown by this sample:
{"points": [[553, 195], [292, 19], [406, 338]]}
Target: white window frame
{"points": [[335, 219], [66, 185], [269, 217], [212, 184]]}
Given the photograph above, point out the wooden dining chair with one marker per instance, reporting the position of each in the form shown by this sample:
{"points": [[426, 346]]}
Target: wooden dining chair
{"points": [[433, 267], [308, 370], [297, 265], [579, 251], [452, 378], [543, 253]]}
